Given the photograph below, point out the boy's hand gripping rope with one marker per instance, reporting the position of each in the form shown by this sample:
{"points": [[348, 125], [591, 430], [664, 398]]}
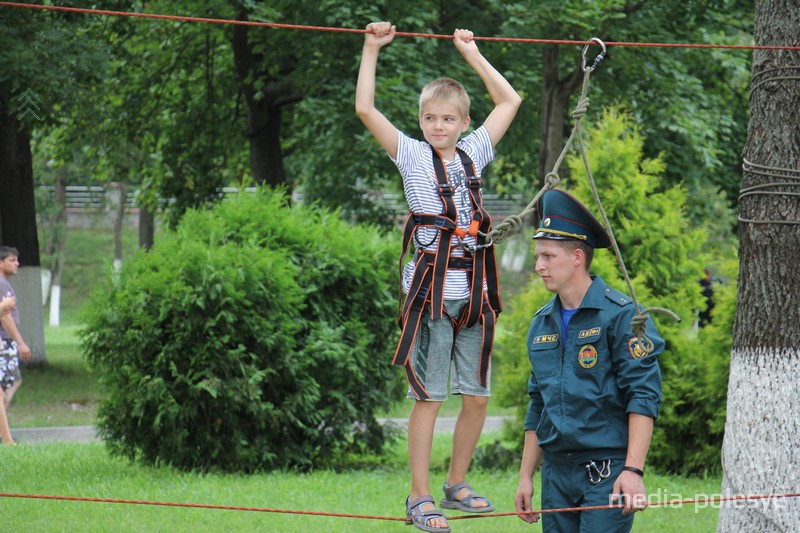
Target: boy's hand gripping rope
{"points": [[513, 224]]}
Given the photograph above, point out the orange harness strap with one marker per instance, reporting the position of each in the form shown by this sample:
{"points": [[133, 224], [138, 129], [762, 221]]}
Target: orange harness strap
{"points": [[427, 285]]}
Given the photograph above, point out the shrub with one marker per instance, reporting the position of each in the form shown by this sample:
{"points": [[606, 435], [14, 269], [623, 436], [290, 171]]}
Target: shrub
{"points": [[254, 336]]}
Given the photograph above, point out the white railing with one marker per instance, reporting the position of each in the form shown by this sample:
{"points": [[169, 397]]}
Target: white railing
{"points": [[93, 197]]}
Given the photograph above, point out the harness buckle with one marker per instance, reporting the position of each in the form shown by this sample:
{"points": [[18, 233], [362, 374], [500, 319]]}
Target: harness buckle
{"points": [[446, 189], [471, 248], [440, 221], [595, 473]]}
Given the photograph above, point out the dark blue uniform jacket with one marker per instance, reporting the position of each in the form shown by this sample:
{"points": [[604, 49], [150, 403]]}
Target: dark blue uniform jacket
{"points": [[585, 381]]}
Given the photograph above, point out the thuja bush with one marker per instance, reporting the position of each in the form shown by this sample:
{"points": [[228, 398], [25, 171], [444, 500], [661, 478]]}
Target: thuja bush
{"points": [[254, 336]]}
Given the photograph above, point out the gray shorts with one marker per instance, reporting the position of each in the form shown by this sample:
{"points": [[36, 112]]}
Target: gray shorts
{"points": [[9, 364], [433, 354]]}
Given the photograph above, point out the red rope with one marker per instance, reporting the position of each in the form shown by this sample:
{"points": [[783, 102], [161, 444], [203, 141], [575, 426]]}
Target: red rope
{"points": [[393, 518], [400, 33], [199, 506]]}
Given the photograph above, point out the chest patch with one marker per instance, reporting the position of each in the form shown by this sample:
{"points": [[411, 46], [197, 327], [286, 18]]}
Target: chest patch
{"points": [[587, 357], [545, 338], [589, 333]]}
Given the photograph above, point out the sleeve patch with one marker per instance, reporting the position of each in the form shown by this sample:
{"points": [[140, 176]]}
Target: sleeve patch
{"points": [[639, 348]]}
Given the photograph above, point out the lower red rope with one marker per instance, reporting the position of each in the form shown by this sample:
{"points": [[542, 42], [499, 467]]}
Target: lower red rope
{"points": [[391, 518]]}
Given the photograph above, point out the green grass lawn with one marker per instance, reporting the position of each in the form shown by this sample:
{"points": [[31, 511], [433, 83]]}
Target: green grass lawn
{"points": [[86, 470], [64, 393]]}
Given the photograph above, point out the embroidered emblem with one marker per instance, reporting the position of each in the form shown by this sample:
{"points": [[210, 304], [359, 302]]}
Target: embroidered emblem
{"points": [[638, 348], [589, 333], [545, 338], [587, 357]]}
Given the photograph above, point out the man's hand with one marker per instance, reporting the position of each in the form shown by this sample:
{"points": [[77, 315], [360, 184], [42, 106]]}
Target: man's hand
{"points": [[522, 502], [629, 490], [379, 34]]}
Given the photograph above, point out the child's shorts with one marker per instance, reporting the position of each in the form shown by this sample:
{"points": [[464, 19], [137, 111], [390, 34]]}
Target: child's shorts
{"points": [[9, 364], [431, 356]]}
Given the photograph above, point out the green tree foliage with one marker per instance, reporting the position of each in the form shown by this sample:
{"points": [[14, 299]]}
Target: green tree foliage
{"points": [[172, 113], [691, 104], [254, 336], [664, 255]]}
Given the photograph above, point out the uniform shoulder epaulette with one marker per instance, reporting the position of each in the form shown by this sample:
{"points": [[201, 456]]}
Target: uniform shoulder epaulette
{"points": [[546, 306], [617, 297]]}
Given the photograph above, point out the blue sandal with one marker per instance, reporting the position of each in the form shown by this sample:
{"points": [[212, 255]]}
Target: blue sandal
{"points": [[419, 518], [464, 504]]}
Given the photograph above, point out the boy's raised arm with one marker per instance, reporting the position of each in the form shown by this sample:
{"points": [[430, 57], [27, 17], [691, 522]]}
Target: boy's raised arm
{"points": [[505, 98], [379, 34]]}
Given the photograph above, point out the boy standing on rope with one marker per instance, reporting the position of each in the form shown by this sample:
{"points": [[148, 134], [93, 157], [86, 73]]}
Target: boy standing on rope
{"points": [[452, 294], [595, 387]]}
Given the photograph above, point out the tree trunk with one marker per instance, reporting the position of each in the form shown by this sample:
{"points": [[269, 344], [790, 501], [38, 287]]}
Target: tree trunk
{"points": [[115, 207], [58, 246], [555, 98], [263, 110], [761, 448], [18, 222], [146, 227]]}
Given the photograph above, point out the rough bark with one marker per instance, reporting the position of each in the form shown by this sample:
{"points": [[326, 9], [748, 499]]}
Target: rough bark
{"points": [[762, 432], [17, 204], [264, 108], [556, 93], [18, 222]]}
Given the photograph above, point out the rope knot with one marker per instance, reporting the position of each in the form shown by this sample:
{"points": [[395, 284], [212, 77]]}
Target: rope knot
{"points": [[552, 179], [639, 326], [580, 109], [510, 226]]}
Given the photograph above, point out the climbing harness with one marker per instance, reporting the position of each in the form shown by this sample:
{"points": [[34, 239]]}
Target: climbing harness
{"points": [[426, 293], [513, 224]]}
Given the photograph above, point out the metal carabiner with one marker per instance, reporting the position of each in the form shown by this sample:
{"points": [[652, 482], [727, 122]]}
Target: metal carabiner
{"points": [[471, 248], [602, 472], [597, 59]]}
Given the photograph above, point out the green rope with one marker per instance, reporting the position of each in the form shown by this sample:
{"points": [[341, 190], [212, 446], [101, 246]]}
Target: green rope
{"points": [[513, 224]]}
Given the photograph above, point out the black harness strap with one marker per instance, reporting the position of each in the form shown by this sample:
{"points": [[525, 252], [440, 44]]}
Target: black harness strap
{"points": [[443, 251], [427, 285]]}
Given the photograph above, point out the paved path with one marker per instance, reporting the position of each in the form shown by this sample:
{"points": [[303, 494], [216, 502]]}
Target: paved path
{"points": [[89, 433]]}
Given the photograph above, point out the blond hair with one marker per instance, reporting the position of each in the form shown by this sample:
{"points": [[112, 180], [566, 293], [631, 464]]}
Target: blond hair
{"points": [[445, 90]]}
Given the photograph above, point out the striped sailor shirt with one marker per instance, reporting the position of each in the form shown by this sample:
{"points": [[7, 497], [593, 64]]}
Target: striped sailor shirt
{"points": [[415, 162]]}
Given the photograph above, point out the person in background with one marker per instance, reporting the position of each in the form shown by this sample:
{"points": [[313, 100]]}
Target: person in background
{"points": [[14, 346], [707, 283], [7, 303]]}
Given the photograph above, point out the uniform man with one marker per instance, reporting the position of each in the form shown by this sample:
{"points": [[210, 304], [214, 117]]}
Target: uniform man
{"points": [[595, 388]]}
